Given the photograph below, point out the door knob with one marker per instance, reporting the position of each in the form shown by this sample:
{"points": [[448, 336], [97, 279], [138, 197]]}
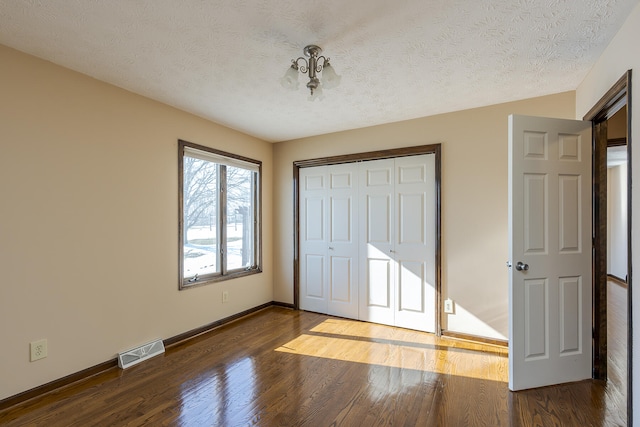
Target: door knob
{"points": [[521, 266]]}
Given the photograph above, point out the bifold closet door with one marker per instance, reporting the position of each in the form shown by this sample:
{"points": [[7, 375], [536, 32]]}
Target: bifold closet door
{"points": [[397, 242], [328, 243], [367, 241]]}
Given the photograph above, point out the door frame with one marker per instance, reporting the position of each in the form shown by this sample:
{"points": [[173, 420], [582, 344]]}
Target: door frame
{"points": [[618, 96], [360, 157]]}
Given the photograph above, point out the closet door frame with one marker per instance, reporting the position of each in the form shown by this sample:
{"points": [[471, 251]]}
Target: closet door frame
{"points": [[358, 157]]}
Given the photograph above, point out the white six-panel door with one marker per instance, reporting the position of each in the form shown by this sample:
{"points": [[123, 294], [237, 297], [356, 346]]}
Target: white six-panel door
{"points": [[550, 251], [367, 250]]}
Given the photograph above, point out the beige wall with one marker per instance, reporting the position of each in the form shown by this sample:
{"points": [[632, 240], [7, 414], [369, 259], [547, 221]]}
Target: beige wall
{"points": [[88, 222], [620, 56], [617, 221], [474, 201]]}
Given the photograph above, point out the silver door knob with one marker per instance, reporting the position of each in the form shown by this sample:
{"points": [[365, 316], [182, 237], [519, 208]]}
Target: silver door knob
{"points": [[521, 266]]}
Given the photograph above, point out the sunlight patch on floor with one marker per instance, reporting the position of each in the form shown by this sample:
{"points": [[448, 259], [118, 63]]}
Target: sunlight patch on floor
{"points": [[361, 342]]}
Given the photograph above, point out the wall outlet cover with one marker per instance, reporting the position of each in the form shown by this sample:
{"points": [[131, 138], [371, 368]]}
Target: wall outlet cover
{"points": [[38, 350], [448, 306]]}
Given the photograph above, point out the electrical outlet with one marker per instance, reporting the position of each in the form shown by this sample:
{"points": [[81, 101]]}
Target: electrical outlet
{"points": [[38, 350], [225, 296], [448, 306]]}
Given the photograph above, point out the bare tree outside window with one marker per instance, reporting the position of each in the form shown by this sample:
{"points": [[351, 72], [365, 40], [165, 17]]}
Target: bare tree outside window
{"points": [[200, 207]]}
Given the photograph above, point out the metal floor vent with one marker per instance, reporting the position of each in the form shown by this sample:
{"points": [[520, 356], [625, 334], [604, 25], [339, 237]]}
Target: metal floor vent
{"points": [[136, 355]]}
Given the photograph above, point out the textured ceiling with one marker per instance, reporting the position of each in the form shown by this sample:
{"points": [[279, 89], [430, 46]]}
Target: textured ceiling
{"points": [[401, 59]]}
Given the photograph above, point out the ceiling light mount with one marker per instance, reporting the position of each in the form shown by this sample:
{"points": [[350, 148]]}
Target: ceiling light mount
{"points": [[315, 64], [312, 50]]}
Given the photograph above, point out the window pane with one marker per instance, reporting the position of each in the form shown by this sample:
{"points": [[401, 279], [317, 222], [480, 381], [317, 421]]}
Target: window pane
{"points": [[240, 218], [200, 198]]}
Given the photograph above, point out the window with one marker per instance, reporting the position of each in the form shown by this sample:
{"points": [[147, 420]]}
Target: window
{"points": [[219, 215]]}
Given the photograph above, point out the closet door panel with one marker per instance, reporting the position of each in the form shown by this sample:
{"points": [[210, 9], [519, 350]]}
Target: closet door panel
{"points": [[414, 245], [377, 270], [379, 289], [411, 290], [342, 245], [313, 239], [314, 276]]}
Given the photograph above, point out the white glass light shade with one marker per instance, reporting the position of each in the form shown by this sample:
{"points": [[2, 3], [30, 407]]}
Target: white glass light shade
{"points": [[290, 79], [329, 77], [317, 94]]}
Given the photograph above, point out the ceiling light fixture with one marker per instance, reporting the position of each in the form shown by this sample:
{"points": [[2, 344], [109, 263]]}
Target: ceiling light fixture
{"points": [[314, 65]]}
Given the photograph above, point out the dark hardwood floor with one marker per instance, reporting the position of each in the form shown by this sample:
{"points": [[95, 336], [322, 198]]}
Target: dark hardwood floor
{"points": [[280, 367]]}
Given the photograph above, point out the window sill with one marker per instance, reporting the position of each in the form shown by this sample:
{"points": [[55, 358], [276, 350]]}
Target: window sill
{"points": [[229, 276]]}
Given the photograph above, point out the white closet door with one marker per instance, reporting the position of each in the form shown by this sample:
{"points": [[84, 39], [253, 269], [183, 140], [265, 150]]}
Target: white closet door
{"points": [[377, 269], [368, 241], [342, 245], [414, 244], [313, 239]]}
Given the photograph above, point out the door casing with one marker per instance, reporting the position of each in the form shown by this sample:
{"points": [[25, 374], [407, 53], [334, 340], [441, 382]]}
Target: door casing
{"points": [[618, 96]]}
